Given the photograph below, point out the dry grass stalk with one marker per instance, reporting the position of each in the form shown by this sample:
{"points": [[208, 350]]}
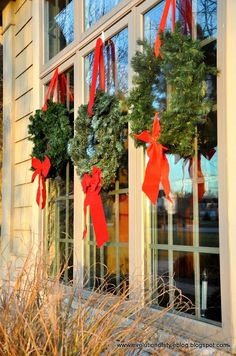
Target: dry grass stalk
{"points": [[38, 316]]}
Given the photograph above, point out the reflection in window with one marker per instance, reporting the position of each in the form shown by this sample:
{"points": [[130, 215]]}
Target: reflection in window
{"points": [[192, 222], [113, 258], [60, 25], [59, 213], [95, 9], [206, 18], [121, 49]]}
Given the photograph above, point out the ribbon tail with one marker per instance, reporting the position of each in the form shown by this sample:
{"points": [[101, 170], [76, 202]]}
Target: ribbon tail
{"points": [[38, 196], [53, 83], [41, 192], [162, 27], [98, 61], [98, 220], [151, 184], [165, 169], [85, 218], [201, 186]]}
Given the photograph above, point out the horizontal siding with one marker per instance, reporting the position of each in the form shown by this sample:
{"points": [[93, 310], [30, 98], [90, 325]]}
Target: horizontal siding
{"points": [[23, 195], [23, 38], [23, 15], [22, 173], [22, 219], [22, 242], [23, 150], [21, 129], [24, 82], [24, 60], [24, 105], [18, 5]]}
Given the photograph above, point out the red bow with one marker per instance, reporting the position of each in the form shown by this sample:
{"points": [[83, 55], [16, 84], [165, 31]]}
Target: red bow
{"points": [[157, 170], [91, 187], [41, 169], [186, 12], [98, 64], [53, 87]]}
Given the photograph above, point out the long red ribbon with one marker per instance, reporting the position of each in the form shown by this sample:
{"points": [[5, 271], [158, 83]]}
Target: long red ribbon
{"points": [[64, 88], [41, 169], [98, 67], [91, 187], [53, 87], [111, 62], [187, 15], [157, 170]]}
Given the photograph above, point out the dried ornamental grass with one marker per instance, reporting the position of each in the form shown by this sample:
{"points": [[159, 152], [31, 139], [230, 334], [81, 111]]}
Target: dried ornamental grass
{"points": [[40, 316]]}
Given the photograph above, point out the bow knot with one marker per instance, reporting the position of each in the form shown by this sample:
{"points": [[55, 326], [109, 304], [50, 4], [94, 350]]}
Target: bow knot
{"points": [[92, 183], [157, 170], [41, 169]]}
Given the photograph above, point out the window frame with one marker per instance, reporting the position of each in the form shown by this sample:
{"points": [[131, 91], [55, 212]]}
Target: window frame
{"points": [[130, 12], [184, 321], [170, 247]]}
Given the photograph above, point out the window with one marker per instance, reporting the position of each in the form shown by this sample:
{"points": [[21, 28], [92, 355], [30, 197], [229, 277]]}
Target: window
{"points": [[183, 239], [59, 214], [60, 25], [113, 258], [95, 9]]}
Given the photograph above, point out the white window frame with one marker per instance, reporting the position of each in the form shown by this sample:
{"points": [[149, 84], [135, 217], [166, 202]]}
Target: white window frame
{"points": [[130, 13]]}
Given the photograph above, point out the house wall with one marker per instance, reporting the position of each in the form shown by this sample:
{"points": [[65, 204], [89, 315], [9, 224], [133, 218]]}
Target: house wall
{"points": [[18, 228]]}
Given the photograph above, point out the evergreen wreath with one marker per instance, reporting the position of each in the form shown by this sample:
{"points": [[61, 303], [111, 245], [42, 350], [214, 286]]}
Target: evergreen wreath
{"points": [[50, 132], [188, 114], [99, 140]]}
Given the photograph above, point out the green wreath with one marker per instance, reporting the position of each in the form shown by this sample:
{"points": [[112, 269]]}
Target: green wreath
{"points": [[99, 140], [50, 132], [188, 114]]}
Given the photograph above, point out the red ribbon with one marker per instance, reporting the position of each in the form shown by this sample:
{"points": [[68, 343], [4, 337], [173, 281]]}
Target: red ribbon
{"points": [[53, 87], [111, 61], [157, 170], [187, 15], [41, 169], [200, 175], [98, 67], [186, 12], [91, 187], [64, 88]]}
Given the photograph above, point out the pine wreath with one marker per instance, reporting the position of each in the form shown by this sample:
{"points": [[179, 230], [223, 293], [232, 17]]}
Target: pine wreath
{"points": [[99, 140], [50, 132], [188, 114]]}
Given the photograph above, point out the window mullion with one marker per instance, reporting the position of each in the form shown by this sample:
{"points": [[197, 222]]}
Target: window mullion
{"points": [[117, 233]]}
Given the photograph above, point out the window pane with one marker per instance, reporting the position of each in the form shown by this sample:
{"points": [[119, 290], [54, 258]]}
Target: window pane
{"points": [[208, 206], [183, 272], [95, 9], [60, 25], [210, 287], [113, 259], [206, 18], [181, 187], [192, 220], [59, 213], [120, 41]]}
